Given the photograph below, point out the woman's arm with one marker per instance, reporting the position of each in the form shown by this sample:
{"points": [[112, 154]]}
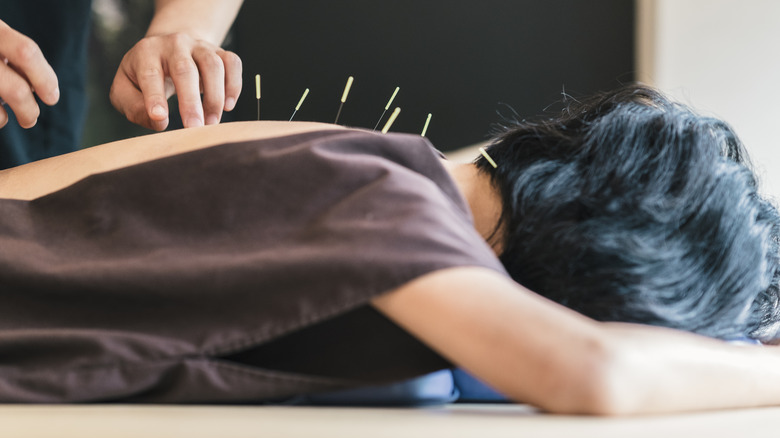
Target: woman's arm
{"points": [[538, 352]]}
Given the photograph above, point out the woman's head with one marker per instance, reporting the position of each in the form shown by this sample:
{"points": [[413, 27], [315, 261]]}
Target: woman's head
{"points": [[629, 207]]}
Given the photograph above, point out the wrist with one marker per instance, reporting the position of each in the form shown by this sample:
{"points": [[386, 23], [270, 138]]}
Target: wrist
{"points": [[198, 35], [204, 20]]}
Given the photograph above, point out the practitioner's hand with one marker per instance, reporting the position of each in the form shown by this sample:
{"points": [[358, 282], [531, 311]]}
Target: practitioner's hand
{"points": [[24, 71], [159, 66]]}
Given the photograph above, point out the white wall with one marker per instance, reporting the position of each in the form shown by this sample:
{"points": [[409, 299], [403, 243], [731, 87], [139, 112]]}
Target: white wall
{"points": [[723, 58]]}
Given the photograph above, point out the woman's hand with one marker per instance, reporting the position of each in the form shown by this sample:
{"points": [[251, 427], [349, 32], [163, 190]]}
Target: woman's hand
{"points": [[159, 66], [24, 72]]}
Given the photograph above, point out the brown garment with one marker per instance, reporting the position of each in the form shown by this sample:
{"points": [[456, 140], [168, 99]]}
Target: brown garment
{"points": [[240, 272]]}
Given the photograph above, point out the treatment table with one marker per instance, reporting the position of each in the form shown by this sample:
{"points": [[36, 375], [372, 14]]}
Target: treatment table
{"points": [[451, 421]]}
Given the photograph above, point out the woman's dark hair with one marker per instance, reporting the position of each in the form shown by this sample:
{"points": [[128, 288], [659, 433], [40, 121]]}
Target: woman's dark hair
{"points": [[629, 207]]}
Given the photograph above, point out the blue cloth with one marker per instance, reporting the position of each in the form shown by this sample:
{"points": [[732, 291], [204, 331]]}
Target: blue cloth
{"points": [[60, 28], [473, 390], [434, 388], [443, 386]]}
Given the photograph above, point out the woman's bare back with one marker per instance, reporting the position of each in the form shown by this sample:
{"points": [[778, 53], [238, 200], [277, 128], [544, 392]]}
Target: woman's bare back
{"points": [[42, 177]]}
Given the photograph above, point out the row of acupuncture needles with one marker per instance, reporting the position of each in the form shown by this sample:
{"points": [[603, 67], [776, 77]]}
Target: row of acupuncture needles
{"points": [[344, 95]]}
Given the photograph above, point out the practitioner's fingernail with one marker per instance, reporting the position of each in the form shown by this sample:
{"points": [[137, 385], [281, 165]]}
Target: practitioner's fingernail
{"points": [[194, 122], [158, 111], [230, 103], [212, 120], [55, 95]]}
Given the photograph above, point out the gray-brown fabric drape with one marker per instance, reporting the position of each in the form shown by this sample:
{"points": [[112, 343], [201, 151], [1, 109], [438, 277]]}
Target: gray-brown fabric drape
{"points": [[240, 272]]}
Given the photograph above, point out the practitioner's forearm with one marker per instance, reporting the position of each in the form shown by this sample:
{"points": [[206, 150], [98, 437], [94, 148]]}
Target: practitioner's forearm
{"points": [[209, 20]]}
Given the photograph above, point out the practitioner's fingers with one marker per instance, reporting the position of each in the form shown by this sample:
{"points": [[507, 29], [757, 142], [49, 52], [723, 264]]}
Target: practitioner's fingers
{"points": [[139, 90], [212, 76], [3, 116], [24, 71], [184, 73], [233, 80], [191, 66], [128, 99], [26, 57], [16, 92], [150, 78]]}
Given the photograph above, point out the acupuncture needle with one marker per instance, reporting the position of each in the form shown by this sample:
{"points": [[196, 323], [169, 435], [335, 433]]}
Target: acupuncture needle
{"points": [[257, 94], [300, 102], [344, 98], [425, 128], [389, 102], [488, 158], [391, 120]]}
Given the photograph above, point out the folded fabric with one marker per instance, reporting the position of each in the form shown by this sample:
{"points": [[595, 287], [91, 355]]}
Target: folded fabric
{"points": [[445, 386], [473, 390], [433, 388]]}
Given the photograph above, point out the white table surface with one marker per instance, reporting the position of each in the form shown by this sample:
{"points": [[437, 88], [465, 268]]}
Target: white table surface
{"points": [[483, 421]]}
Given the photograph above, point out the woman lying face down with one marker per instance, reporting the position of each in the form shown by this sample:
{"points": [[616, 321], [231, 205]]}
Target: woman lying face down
{"points": [[627, 208], [178, 254]]}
